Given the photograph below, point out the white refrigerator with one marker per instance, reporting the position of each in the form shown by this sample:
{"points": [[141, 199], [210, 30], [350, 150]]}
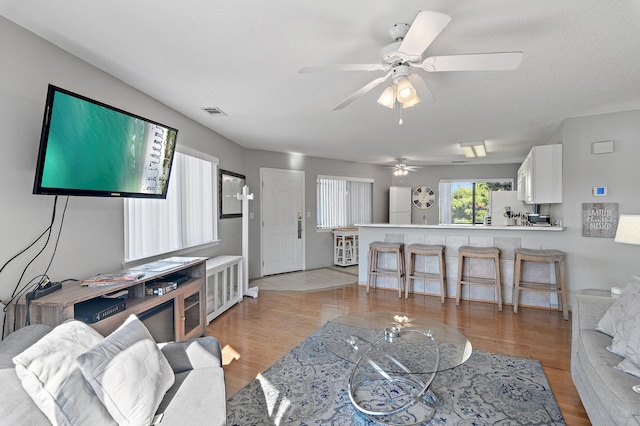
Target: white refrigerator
{"points": [[400, 205]]}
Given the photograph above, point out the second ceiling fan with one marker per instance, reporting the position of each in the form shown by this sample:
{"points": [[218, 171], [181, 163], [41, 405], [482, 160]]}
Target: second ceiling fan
{"points": [[401, 168], [401, 58]]}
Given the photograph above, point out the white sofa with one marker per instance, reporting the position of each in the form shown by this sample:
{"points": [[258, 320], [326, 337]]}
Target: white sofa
{"points": [[606, 391], [197, 395]]}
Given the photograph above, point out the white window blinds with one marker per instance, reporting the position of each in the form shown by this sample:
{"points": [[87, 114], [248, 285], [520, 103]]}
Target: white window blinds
{"points": [[344, 201], [186, 218]]}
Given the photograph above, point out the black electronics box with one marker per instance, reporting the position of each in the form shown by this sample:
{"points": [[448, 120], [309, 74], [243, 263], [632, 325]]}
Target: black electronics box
{"points": [[159, 288], [94, 310], [177, 278]]}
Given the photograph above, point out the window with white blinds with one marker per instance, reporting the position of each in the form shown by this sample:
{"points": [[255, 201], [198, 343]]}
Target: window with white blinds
{"points": [[185, 219], [344, 201]]}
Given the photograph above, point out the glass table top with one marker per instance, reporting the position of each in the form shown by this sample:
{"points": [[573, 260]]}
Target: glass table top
{"points": [[399, 343], [394, 354]]}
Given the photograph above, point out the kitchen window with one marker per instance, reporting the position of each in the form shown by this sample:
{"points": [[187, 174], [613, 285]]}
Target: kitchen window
{"points": [[466, 201]]}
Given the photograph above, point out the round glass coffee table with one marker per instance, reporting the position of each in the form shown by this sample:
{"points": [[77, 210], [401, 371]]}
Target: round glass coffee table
{"points": [[396, 357]]}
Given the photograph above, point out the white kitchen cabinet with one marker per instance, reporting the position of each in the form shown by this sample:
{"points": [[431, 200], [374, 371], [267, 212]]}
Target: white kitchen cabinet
{"points": [[522, 177], [400, 205], [540, 175]]}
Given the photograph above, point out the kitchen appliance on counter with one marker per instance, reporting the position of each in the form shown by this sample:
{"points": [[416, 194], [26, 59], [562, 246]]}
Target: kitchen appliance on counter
{"points": [[499, 201], [536, 219], [539, 217]]}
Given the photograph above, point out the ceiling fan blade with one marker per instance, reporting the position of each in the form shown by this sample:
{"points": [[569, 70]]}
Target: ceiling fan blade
{"points": [[503, 61], [425, 28], [345, 67], [421, 88], [361, 92]]}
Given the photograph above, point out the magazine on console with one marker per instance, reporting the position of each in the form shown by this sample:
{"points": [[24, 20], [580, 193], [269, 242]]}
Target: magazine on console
{"points": [[114, 278]]}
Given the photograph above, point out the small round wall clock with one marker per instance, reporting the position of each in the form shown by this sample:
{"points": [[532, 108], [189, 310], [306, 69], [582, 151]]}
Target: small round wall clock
{"points": [[423, 197]]}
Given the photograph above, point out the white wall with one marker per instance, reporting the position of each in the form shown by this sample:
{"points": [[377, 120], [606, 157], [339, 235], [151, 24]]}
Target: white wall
{"points": [[92, 238], [600, 262]]}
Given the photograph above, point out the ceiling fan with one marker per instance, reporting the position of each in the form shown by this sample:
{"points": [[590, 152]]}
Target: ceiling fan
{"points": [[402, 169], [401, 58]]}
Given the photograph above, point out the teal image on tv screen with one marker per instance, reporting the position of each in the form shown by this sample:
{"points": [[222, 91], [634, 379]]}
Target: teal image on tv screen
{"points": [[94, 148]]}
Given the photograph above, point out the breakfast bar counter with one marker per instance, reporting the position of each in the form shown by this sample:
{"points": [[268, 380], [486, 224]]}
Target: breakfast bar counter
{"points": [[506, 238], [466, 227]]}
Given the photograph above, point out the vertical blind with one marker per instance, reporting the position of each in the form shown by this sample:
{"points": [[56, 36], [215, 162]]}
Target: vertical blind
{"points": [[344, 201], [186, 218]]}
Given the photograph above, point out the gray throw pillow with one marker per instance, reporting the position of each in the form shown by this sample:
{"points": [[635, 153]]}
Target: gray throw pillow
{"points": [[612, 317]]}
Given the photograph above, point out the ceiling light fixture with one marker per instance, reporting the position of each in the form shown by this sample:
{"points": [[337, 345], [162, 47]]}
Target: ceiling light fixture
{"points": [[411, 102], [400, 172], [473, 149], [402, 90], [406, 91], [388, 97]]}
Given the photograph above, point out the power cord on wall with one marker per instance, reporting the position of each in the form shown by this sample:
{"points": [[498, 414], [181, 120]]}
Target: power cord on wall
{"points": [[19, 290]]}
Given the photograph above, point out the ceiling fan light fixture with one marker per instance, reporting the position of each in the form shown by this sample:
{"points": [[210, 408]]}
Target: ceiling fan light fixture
{"points": [[400, 172], [405, 91], [411, 102], [388, 97]]}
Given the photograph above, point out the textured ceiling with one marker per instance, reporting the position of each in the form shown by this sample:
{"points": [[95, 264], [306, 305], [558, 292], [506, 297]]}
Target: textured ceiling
{"points": [[581, 57]]}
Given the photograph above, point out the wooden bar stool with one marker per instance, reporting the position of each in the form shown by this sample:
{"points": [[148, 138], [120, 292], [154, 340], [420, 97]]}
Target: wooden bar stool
{"points": [[379, 247], [425, 250], [467, 252], [541, 256]]}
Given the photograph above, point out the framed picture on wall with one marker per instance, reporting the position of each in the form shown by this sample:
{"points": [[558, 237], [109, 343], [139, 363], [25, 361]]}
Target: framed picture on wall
{"points": [[229, 186]]}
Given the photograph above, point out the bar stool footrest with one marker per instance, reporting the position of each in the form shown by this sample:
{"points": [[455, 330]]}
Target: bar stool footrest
{"points": [[425, 276], [539, 286], [479, 281]]}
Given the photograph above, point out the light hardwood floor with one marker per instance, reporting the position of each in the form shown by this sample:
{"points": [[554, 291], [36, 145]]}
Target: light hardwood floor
{"points": [[264, 329]]}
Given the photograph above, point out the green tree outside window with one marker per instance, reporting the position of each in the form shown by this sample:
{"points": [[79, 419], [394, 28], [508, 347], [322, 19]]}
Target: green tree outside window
{"points": [[470, 200]]}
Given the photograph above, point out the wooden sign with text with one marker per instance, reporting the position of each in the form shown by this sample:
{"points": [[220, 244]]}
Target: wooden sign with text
{"points": [[599, 220]]}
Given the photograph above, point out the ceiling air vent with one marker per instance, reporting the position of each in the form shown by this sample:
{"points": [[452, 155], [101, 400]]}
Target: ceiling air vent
{"points": [[214, 111]]}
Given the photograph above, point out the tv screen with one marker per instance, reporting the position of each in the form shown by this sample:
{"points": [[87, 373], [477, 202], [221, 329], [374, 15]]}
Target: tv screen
{"points": [[93, 149]]}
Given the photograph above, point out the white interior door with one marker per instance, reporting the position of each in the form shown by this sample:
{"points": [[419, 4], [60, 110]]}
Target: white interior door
{"points": [[282, 213]]}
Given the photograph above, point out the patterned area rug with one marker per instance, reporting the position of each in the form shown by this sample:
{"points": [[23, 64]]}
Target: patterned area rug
{"points": [[308, 386]]}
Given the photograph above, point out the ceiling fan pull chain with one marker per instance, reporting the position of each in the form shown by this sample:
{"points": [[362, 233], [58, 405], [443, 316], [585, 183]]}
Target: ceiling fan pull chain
{"points": [[400, 122]]}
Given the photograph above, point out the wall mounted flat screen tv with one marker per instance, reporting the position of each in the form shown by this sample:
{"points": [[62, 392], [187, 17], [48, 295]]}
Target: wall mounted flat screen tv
{"points": [[93, 149]]}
